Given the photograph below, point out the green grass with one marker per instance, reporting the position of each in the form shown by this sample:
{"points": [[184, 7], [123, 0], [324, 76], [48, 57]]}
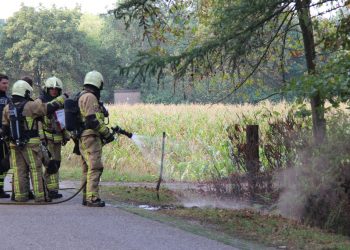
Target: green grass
{"points": [[268, 229], [109, 175], [196, 143], [139, 195], [272, 230]]}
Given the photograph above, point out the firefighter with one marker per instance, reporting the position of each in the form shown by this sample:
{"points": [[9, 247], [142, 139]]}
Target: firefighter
{"points": [[20, 125], [53, 136], [4, 153], [94, 134], [29, 80]]}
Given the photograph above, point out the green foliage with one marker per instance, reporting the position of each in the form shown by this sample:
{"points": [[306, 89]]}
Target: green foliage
{"points": [[231, 37], [42, 42], [174, 51], [197, 143], [331, 81]]}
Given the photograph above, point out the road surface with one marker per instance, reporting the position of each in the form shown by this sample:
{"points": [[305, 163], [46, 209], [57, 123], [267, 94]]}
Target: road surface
{"points": [[73, 226]]}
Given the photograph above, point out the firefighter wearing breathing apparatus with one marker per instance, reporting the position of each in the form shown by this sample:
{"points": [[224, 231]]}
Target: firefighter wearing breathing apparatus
{"points": [[20, 125], [94, 134], [52, 137], [4, 152]]}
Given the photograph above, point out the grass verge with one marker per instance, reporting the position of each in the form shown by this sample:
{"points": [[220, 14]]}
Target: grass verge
{"points": [[272, 230], [75, 173]]}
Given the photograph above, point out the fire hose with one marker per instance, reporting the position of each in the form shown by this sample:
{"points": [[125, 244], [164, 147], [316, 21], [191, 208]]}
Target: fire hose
{"points": [[46, 203], [116, 130]]}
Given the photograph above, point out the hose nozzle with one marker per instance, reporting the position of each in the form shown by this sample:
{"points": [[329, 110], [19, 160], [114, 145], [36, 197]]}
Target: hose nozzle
{"points": [[119, 130]]}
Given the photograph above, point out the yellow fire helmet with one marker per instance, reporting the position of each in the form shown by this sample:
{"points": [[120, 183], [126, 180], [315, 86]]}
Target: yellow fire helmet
{"points": [[94, 78], [22, 88], [53, 82]]}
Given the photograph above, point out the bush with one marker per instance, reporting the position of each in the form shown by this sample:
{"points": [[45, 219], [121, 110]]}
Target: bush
{"points": [[317, 189]]}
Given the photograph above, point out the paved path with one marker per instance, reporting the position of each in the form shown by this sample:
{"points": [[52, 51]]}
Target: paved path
{"points": [[73, 226]]}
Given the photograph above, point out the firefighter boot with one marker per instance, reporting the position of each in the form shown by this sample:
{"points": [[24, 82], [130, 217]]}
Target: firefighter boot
{"points": [[3, 194], [95, 203], [31, 195], [54, 194]]}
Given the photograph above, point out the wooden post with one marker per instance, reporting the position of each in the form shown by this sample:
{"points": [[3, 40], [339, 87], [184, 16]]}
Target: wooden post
{"points": [[252, 156]]}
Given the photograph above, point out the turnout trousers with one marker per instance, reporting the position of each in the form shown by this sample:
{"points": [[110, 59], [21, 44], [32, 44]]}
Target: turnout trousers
{"points": [[52, 180], [90, 147], [24, 162]]}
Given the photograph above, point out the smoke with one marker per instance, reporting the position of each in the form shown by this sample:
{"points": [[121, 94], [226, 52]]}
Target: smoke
{"points": [[315, 189], [290, 203], [190, 198]]}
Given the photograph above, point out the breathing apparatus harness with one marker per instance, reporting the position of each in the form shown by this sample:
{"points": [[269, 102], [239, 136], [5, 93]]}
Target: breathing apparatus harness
{"points": [[20, 133], [75, 126]]}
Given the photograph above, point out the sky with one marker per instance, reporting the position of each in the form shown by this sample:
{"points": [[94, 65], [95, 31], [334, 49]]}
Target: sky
{"points": [[8, 7]]}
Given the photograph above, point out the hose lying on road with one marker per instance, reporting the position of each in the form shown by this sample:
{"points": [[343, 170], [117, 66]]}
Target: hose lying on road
{"points": [[45, 203], [10, 191]]}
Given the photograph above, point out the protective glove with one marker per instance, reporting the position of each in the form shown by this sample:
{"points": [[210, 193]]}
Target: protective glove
{"points": [[52, 167], [60, 99], [65, 137], [108, 139]]}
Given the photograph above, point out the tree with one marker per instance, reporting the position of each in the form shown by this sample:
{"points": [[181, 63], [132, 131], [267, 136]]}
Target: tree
{"points": [[44, 42], [111, 46], [239, 38]]}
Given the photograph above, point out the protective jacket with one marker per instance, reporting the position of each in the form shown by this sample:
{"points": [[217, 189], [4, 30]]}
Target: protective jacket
{"points": [[53, 135], [26, 158], [49, 128], [90, 142]]}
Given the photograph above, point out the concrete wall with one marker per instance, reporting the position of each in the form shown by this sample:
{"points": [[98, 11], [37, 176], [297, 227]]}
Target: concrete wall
{"points": [[127, 96]]}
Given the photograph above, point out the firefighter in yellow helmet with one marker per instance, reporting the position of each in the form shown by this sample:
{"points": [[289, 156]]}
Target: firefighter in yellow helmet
{"points": [[20, 125], [53, 136], [94, 134]]}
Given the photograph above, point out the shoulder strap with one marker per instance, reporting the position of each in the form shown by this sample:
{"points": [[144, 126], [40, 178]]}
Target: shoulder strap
{"points": [[79, 94]]}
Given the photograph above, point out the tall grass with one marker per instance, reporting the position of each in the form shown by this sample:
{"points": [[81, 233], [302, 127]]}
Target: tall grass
{"points": [[196, 144]]}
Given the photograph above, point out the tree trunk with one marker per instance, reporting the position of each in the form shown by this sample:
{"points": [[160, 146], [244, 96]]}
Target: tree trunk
{"points": [[317, 104], [37, 75], [252, 158]]}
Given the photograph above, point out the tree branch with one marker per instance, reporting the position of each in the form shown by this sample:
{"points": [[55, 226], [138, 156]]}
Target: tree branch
{"points": [[258, 63]]}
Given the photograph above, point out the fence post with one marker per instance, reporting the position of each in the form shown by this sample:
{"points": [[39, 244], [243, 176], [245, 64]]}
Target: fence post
{"points": [[252, 156]]}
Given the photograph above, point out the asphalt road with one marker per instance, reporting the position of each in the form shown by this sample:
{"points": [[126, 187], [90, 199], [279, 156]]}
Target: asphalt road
{"points": [[73, 226]]}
